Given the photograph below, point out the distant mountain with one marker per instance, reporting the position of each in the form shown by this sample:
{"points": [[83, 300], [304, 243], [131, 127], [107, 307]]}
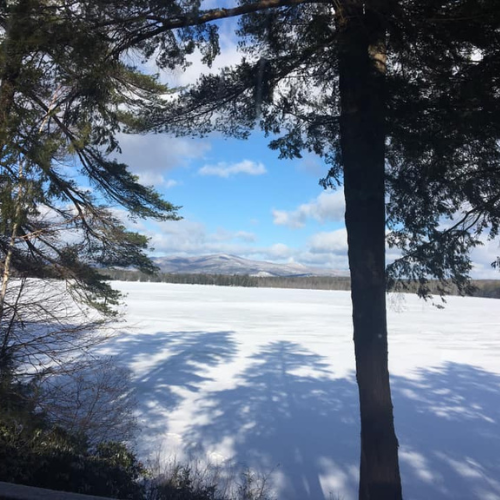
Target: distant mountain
{"points": [[231, 264]]}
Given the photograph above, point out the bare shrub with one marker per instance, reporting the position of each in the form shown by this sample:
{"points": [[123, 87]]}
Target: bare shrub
{"points": [[94, 399], [47, 343], [43, 330], [205, 480]]}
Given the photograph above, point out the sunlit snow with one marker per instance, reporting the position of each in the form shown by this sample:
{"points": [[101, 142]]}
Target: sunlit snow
{"points": [[264, 378]]}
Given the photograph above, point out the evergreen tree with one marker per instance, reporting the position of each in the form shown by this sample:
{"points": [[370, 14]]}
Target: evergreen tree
{"points": [[66, 90], [399, 99]]}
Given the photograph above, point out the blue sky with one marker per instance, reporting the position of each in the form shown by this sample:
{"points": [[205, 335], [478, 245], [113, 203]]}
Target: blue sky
{"points": [[238, 198]]}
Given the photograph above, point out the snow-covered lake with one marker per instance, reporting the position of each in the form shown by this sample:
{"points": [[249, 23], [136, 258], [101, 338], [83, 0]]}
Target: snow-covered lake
{"points": [[264, 377]]}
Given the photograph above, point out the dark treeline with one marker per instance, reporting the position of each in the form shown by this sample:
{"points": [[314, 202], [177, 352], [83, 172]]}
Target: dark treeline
{"points": [[244, 280], [483, 288]]}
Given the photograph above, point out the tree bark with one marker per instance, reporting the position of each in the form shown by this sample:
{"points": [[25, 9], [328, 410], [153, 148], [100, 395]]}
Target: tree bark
{"points": [[362, 139]]}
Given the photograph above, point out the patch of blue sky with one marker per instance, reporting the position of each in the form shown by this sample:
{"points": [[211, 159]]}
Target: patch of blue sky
{"points": [[240, 188]]}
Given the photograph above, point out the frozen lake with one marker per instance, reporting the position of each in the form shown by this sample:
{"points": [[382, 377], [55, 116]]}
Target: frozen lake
{"points": [[265, 378]]}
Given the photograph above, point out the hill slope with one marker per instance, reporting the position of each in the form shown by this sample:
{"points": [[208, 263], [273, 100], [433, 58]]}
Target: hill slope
{"points": [[231, 264]]}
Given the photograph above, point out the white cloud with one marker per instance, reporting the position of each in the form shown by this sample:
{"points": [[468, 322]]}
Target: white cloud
{"points": [[182, 236], [152, 156], [323, 249], [223, 169], [170, 183], [330, 242], [186, 237], [483, 256], [328, 206], [279, 251], [246, 236], [189, 238], [223, 235], [229, 56], [324, 260], [156, 179]]}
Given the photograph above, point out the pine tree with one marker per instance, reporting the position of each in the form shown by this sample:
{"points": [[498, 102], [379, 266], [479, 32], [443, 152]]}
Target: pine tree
{"points": [[66, 91], [399, 99]]}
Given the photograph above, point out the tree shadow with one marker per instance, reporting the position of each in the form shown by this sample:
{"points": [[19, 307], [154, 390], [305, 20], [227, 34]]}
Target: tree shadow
{"points": [[287, 414], [165, 365], [448, 422]]}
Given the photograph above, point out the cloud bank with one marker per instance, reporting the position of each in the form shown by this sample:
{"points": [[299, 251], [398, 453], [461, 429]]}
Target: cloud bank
{"points": [[225, 170], [327, 207]]}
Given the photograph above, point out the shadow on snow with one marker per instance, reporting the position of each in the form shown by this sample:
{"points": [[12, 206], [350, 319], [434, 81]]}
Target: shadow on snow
{"points": [[286, 413], [167, 363], [448, 423]]}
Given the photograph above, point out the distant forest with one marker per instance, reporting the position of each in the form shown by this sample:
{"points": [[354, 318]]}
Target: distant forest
{"points": [[483, 288]]}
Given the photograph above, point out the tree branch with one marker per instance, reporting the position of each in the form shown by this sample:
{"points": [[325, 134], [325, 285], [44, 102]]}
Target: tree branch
{"points": [[202, 17]]}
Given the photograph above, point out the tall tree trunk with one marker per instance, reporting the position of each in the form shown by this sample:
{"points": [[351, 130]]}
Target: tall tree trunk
{"points": [[6, 265], [362, 88]]}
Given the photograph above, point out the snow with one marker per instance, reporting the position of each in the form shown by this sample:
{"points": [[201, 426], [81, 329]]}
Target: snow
{"points": [[264, 378]]}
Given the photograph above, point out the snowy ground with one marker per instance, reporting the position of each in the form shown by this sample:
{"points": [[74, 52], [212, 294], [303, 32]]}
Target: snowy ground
{"points": [[265, 377]]}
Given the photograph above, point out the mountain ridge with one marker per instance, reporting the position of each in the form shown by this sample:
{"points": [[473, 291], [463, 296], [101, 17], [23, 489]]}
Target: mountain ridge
{"points": [[232, 264]]}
